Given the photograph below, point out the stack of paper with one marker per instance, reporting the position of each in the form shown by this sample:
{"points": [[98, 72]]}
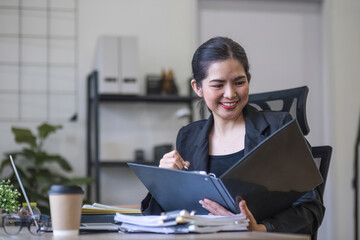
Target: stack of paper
{"points": [[97, 208], [181, 222]]}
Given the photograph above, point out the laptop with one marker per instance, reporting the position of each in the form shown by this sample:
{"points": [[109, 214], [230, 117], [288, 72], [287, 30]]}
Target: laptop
{"points": [[84, 227], [271, 177]]}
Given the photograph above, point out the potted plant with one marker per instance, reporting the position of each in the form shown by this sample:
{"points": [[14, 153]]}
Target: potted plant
{"points": [[9, 198], [36, 166]]}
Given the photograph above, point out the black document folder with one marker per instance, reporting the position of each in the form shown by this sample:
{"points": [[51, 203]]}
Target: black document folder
{"points": [[271, 177]]}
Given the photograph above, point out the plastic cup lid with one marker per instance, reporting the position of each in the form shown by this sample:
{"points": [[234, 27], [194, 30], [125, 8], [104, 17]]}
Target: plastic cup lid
{"points": [[32, 204], [60, 189]]}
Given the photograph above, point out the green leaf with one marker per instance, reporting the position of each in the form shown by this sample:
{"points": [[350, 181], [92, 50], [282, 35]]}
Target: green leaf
{"points": [[24, 135], [26, 181], [79, 181], [6, 161], [59, 160], [43, 179], [45, 129], [29, 156]]}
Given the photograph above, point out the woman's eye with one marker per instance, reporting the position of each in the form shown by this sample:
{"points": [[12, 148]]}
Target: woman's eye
{"points": [[239, 83]]}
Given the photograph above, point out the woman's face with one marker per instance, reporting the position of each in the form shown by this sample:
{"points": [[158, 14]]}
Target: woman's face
{"points": [[225, 90]]}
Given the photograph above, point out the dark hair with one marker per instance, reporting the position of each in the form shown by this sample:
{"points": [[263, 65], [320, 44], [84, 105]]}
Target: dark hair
{"points": [[213, 50]]}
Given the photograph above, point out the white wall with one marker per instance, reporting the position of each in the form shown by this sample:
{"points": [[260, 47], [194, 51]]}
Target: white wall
{"points": [[342, 112]]}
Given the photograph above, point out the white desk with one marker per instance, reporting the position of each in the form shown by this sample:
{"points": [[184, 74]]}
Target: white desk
{"points": [[24, 234]]}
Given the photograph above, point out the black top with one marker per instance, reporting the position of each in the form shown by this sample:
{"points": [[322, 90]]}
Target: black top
{"points": [[218, 164]]}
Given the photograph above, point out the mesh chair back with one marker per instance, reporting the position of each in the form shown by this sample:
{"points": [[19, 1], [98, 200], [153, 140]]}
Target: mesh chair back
{"points": [[322, 156], [289, 100]]}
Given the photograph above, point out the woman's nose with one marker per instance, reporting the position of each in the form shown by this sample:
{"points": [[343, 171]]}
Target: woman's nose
{"points": [[229, 92]]}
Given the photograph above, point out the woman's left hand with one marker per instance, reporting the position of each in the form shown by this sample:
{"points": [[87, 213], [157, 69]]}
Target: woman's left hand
{"points": [[216, 209]]}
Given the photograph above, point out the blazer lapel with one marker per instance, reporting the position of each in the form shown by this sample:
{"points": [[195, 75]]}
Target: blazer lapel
{"points": [[255, 125], [201, 154]]}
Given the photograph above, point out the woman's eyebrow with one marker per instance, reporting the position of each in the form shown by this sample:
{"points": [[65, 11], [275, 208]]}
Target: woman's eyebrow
{"points": [[217, 80], [221, 80], [239, 78]]}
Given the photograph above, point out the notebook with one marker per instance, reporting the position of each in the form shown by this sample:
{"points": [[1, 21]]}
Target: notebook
{"points": [[271, 177]]}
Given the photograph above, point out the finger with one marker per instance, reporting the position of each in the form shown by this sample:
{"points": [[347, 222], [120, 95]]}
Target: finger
{"points": [[247, 213], [176, 155], [214, 208], [186, 164], [244, 209], [170, 154], [173, 160], [171, 163], [179, 164]]}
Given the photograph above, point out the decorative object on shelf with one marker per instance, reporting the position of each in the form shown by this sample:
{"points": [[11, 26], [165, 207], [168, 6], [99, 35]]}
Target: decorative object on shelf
{"points": [[168, 83], [139, 155], [163, 84], [33, 165], [182, 112], [160, 150], [153, 84]]}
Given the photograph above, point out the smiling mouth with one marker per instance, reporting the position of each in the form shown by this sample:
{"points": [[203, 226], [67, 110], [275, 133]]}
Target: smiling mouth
{"points": [[229, 105]]}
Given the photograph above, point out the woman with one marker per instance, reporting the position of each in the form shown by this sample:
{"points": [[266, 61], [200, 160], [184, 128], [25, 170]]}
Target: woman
{"points": [[221, 78]]}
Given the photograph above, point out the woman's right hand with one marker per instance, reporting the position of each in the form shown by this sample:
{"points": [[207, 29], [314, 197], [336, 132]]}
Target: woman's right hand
{"points": [[173, 160]]}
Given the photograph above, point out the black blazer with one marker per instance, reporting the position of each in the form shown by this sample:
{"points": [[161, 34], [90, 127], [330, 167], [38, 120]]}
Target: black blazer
{"points": [[305, 216]]}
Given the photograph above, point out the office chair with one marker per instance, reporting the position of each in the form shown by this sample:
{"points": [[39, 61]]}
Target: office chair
{"points": [[322, 156], [294, 101], [289, 100]]}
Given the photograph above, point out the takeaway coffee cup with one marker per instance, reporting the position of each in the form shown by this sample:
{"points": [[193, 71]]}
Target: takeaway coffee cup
{"points": [[65, 208]]}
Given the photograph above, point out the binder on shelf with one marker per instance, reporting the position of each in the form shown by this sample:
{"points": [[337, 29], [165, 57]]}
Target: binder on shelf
{"points": [[117, 63], [106, 63], [271, 177]]}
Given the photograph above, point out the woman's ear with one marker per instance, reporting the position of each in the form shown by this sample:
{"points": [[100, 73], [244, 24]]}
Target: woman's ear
{"points": [[249, 77], [197, 89]]}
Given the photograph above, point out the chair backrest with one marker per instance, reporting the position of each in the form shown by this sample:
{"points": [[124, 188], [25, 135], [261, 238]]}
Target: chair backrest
{"points": [[289, 100], [322, 156]]}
